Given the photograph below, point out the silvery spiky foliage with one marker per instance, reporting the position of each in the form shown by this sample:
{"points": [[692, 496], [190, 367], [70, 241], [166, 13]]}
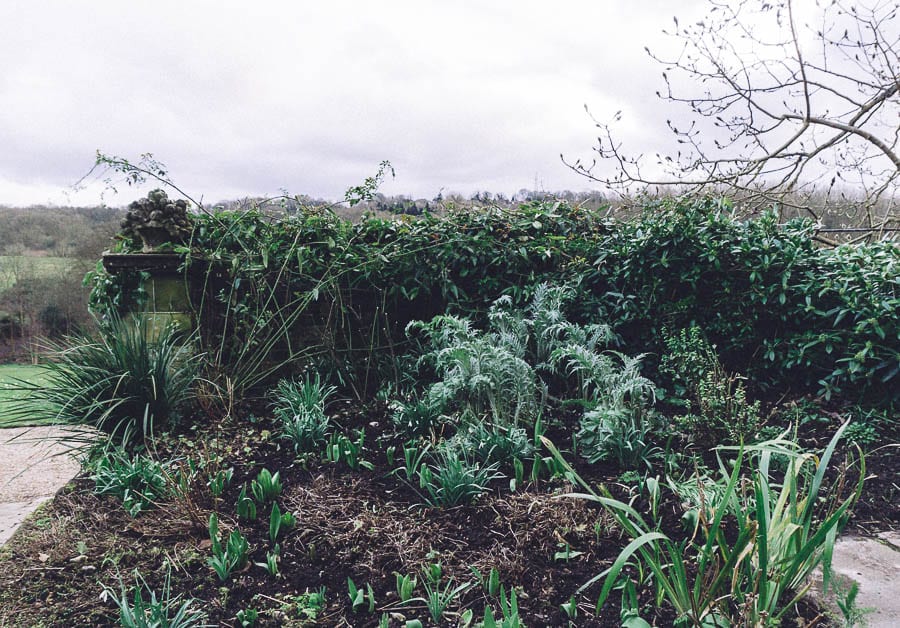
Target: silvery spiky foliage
{"points": [[543, 327], [481, 373], [608, 378], [489, 381], [617, 424], [494, 373]]}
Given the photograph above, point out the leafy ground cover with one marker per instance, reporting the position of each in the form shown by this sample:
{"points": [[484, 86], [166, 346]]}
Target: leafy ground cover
{"points": [[511, 460]]}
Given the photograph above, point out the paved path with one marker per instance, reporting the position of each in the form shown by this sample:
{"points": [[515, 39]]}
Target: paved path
{"points": [[30, 473], [874, 564]]}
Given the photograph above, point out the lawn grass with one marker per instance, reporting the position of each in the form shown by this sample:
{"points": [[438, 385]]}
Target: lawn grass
{"points": [[31, 266], [9, 373]]}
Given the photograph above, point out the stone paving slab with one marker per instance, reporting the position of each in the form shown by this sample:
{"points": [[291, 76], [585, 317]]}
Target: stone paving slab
{"points": [[13, 514], [33, 467], [874, 564]]}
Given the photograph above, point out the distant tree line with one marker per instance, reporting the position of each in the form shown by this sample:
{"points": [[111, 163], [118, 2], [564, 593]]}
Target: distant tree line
{"points": [[80, 232], [44, 255], [844, 209], [405, 204]]}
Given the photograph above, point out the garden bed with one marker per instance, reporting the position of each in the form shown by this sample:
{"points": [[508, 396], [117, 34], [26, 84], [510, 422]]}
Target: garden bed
{"points": [[365, 525]]}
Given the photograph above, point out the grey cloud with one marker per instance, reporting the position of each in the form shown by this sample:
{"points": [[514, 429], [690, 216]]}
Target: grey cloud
{"points": [[243, 99]]}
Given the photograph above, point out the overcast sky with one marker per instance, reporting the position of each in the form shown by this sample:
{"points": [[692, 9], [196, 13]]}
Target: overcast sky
{"points": [[246, 99]]}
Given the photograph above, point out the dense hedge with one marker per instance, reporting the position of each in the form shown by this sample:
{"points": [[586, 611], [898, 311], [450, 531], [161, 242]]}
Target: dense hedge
{"points": [[779, 308], [790, 314]]}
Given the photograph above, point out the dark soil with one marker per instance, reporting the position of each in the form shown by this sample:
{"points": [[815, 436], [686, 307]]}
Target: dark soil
{"points": [[65, 566]]}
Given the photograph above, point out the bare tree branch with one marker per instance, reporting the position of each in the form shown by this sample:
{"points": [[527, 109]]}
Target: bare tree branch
{"points": [[802, 114]]}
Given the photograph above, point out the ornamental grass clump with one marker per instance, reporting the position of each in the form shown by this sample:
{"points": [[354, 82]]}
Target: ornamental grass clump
{"points": [[300, 408], [143, 608], [454, 479], [126, 382], [749, 572], [417, 417]]}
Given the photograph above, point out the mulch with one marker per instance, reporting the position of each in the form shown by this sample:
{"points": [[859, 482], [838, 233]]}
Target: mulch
{"points": [[66, 566]]}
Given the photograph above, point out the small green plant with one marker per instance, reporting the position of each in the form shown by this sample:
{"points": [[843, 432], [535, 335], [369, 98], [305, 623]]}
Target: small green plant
{"points": [[852, 614], [722, 411], [865, 435], [234, 555], [417, 417], [570, 608], [433, 572], [406, 584], [518, 475], [248, 617], [619, 435], [360, 598], [163, 611], [306, 606], [688, 359], [272, 557], [266, 487], [509, 618], [220, 481], [566, 553], [246, 507], [630, 612], [414, 457], [490, 583], [454, 479], [340, 448], [545, 465], [138, 480], [630, 477], [279, 521], [490, 443], [438, 599], [300, 407], [509, 609]]}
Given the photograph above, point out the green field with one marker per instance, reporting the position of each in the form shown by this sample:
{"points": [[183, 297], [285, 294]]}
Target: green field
{"points": [[28, 266], [9, 373]]}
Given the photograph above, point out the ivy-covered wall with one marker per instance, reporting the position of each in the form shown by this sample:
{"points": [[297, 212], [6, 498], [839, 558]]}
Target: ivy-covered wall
{"points": [[794, 316]]}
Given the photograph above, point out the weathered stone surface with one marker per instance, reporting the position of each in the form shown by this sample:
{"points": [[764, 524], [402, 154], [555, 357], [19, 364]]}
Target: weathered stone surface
{"points": [[33, 467], [874, 564]]}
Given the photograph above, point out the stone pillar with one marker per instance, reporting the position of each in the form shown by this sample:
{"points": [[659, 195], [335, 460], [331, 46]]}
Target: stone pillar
{"points": [[170, 293]]}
